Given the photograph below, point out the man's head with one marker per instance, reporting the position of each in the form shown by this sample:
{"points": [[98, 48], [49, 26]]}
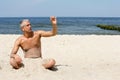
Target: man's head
{"points": [[25, 25]]}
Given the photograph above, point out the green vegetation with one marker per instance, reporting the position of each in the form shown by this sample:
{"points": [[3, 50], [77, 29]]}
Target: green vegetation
{"points": [[109, 27]]}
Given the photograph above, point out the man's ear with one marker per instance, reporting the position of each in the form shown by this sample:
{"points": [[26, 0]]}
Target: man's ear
{"points": [[22, 28]]}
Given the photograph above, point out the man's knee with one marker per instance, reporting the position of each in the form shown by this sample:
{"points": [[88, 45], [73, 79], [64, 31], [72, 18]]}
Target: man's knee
{"points": [[13, 63], [16, 62], [18, 59], [48, 63], [52, 62]]}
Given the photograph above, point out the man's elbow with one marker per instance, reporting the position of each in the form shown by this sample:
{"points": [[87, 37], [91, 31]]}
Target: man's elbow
{"points": [[55, 33]]}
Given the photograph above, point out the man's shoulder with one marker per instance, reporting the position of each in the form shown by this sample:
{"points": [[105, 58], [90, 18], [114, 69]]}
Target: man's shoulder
{"points": [[20, 38]]}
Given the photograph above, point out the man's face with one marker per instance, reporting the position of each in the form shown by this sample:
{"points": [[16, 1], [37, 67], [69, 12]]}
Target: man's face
{"points": [[26, 27]]}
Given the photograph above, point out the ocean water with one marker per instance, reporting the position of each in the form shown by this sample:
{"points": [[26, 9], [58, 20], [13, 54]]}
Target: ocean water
{"points": [[66, 25]]}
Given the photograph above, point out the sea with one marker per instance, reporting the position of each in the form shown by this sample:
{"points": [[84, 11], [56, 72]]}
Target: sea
{"points": [[66, 25]]}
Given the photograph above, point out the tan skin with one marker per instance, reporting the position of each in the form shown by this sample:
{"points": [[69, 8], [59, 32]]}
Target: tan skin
{"points": [[30, 43]]}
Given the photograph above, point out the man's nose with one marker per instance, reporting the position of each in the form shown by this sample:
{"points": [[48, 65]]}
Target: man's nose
{"points": [[30, 25]]}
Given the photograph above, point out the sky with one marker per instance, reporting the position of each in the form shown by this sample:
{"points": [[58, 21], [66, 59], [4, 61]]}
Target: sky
{"points": [[60, 8]]}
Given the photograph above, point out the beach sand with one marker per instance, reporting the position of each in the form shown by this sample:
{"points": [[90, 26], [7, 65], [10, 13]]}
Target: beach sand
{"points": [[78, 57]]}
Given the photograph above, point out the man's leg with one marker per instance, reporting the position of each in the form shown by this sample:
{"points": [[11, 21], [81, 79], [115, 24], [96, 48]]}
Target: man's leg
{"points": [[48, 63], [16, 62]]}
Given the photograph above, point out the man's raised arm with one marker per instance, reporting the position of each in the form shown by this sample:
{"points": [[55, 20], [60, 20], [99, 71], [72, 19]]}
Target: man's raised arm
{"points": [[54, 24], [53, 32]]}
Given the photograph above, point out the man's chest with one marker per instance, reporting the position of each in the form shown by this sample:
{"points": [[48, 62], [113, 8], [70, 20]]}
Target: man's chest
{"points": [[30, 43]]}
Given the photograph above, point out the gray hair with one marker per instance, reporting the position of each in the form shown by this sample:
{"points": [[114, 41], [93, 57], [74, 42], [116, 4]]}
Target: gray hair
{"points": [[24, 20]]}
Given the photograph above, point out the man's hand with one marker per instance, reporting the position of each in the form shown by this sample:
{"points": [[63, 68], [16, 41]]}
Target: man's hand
{"points": [[53, 20]]}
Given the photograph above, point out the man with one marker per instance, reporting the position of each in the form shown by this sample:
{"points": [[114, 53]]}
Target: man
{"points": [[30, 43]]}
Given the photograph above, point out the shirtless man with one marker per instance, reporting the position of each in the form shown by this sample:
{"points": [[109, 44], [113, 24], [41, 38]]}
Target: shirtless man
{"points": [[30, 43]]}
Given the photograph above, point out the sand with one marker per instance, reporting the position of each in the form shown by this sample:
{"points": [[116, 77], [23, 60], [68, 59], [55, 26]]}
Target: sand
{"points": [[78, 57]]}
